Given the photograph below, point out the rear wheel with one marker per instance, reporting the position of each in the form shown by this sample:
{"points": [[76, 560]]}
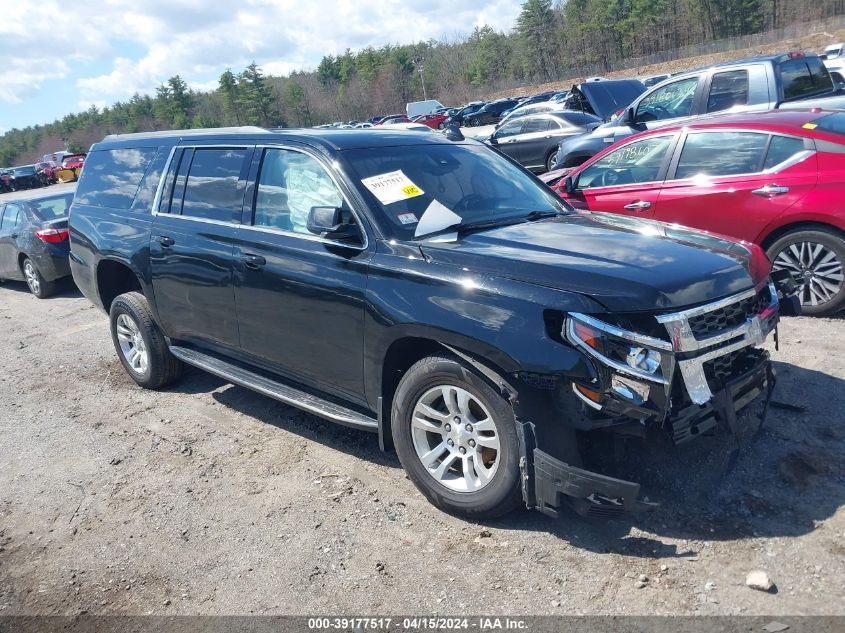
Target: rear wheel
{"points": [[815, 259], [551, 159], [456, 438], [38, 286], [140, 344]]}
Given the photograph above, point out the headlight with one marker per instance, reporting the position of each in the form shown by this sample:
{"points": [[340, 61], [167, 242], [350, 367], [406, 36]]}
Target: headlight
{"points": [[628, 353]]}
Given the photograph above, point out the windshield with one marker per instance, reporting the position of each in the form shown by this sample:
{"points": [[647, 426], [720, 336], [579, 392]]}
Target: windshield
{"points": [[53, 208], [469, 184], [24, 171]]}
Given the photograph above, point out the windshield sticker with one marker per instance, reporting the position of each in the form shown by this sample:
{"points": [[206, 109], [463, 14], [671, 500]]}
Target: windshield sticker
{"points": [[436, 218], [809, 126], [407, 218], [392, 187]]}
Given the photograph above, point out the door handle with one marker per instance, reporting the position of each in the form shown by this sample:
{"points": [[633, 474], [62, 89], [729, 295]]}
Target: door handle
{"points": [[770, 190], [253, 261], [14, 236], [639, 205], [166, 241]]}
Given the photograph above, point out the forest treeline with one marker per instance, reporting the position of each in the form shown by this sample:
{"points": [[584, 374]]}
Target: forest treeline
{"points": [[548, 40]]}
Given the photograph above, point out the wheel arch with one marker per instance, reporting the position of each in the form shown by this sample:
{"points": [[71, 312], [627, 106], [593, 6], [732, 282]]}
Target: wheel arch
{"points": [[113, 278], [802, 225]]}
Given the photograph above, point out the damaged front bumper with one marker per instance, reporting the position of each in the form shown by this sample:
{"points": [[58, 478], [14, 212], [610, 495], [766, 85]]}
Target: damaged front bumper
{"points": [[720, 372]]}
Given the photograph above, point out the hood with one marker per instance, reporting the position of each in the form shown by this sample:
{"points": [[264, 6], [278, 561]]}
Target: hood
{"points": [[606, 97], [624, 263]]}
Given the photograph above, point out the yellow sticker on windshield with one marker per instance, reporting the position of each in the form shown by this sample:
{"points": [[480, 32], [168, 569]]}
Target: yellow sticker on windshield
{"points": [[412, 190], [809, 126]]}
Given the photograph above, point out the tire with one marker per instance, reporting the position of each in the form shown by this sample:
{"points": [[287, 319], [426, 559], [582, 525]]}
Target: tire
{"points": [[551, 159], [38, 286], [816, 258], [151, 365], [461, 489]]}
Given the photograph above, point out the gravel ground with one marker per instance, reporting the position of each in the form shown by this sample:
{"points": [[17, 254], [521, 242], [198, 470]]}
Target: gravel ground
{"points": [[209, 499]]}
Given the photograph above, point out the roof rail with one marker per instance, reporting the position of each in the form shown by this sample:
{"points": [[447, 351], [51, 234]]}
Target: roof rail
{"points": [[244, 129]]}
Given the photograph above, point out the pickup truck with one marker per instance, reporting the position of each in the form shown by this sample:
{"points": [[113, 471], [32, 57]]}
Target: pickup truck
{"points": [[430, 290], [791, 80]]}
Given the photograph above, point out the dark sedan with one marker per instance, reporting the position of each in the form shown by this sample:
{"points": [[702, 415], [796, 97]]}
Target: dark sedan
{"points": [[34, 240], [491, 113], [26, 177], [533, 140]]}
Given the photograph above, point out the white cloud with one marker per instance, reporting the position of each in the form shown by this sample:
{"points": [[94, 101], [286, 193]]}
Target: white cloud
{"points": [[145, 43]]}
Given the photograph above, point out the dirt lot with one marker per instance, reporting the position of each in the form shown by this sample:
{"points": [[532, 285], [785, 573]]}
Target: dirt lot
{"points": [[208, 498]]}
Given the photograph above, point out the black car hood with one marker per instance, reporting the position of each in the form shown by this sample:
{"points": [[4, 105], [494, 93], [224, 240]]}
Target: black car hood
{"points": [[606, 97], [624, 263]]}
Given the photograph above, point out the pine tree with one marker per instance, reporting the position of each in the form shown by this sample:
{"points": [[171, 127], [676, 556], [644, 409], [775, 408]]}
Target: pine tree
{"points": [[228, 90], [256, 98]]}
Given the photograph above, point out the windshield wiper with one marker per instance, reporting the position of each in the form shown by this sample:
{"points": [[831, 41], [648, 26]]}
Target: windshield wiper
{"points": [[469, 227]]}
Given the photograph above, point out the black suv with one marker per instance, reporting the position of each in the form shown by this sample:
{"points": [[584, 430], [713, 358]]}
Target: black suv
{"points": [[428, 289]]}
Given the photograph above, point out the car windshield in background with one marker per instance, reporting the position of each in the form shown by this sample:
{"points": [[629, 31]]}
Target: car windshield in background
{"points": [[28, 170], [53, 208], [474, 183]]}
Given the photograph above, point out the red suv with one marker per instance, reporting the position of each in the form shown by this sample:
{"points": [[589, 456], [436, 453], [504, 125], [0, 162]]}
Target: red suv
{"points": [[775, 178]]}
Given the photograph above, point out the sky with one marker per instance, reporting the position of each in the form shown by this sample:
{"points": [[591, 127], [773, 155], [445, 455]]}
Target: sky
{"points": [[58, 57]]}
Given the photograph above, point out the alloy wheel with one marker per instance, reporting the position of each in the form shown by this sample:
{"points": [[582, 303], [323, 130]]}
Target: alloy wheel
{"points": [[816, 268], [455, 438], [31, 277], [132, 344]]}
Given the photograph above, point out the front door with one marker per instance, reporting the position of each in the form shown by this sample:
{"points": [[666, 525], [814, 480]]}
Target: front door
{"points": [[300, 297], [627, 180], [192, 244]]}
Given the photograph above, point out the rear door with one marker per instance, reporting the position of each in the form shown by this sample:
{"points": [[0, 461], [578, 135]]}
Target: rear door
{"points": [[192, 243], [626, 180], [7, 243], [300, 297], [735, 182], [529, 145]]}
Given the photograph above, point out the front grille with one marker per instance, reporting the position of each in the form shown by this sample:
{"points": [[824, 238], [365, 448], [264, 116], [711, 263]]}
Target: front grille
{"points": [[730, 316], [727, 367]]}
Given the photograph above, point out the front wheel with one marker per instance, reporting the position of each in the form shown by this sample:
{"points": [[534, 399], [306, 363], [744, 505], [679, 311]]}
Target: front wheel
{"points": [[815, 259], [140, 344], [456, 438]]}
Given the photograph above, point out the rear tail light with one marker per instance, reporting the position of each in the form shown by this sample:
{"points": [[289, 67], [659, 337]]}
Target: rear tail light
{"points": [[53, 236]]}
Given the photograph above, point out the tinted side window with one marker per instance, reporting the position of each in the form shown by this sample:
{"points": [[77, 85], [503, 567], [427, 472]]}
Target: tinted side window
{"points": [[510, 129], [803, 77], [721, 154], [289, 185], [111, 177], [727, 90], [212, 188], [635, 162], [11, 217], [782, 148], [668, 102]]}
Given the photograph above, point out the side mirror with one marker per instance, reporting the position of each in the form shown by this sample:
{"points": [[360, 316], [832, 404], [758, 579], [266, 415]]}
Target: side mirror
{"points": [[569, 185], [328, 222], [494, 140]]}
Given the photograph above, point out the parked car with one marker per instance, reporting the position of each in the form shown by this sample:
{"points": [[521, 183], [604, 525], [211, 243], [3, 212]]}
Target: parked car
{"points": [[838, 79], [534, 108], [70, 168], [34, 240], [653, 80], [364, 126], [413, 127], [5, 179], [428, 290], [459, 117], [47, 171], [533, 140], [490, 113], [25, 177], [434, 121], [527, 101], [774, 179], [792, 80], [834, 51], [393, 118], [417, 108]]}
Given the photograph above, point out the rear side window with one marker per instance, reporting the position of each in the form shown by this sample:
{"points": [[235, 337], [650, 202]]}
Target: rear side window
{"points": [[111, 177], [728, 90], [834, 123], [11, 217], [721, 154], [212, 188], [53, 208], [804, 77], [782, 148]]}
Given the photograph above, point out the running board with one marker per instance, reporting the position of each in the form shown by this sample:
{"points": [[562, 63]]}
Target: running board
{"points": [[275, 389]]}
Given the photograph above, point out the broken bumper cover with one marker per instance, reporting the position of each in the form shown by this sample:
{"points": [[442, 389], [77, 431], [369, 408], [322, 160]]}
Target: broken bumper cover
{"points": [[550, 484]]}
